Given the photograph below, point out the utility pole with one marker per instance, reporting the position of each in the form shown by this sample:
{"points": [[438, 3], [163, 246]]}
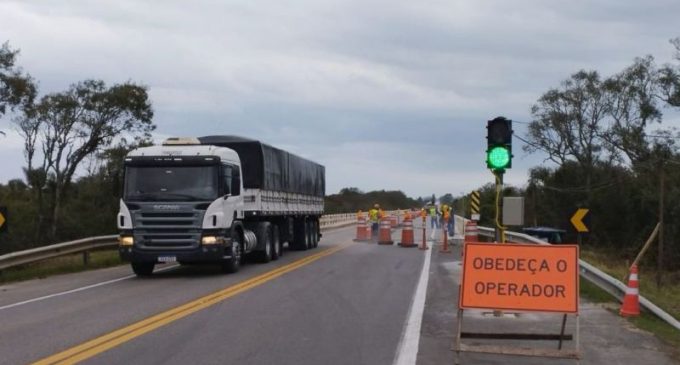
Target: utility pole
{"points": [[660, 257]]}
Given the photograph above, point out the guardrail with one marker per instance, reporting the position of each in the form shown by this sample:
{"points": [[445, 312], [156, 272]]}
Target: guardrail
{"points": [[85, 245], [589, 272]]}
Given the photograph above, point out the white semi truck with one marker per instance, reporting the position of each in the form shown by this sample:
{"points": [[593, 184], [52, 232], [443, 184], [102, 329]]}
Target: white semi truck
{"points": [[216, 199]]}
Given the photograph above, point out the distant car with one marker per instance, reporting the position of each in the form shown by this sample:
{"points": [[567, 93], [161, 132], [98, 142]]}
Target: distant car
{"points": [[552, 235]]}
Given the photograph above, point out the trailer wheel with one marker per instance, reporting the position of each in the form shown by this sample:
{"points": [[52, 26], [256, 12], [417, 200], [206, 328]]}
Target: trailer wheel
{"points": [[276, 244], [315, 233], [309, 227], [233, 264], [299, 234], [264, 239], [142, 268]]}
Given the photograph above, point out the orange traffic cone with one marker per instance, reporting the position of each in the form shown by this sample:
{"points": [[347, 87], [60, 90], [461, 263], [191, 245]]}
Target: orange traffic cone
{"points": [[471, 232], [394, 221], [385, 236], [407, 239], [363, 234], [631, 302]]}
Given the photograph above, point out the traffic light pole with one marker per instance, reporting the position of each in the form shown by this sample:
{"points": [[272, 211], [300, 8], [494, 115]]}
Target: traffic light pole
{"points": [[499, 231]]}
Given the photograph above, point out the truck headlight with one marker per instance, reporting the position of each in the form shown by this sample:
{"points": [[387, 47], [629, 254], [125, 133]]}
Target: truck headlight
{"points": [[126, 240], [212, 240]]}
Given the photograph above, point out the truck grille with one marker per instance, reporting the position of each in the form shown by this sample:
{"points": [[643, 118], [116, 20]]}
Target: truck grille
{"points": [[168, 230]]}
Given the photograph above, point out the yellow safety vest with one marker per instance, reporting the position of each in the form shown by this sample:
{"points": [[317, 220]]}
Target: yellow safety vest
{"points": [[373, 215]]}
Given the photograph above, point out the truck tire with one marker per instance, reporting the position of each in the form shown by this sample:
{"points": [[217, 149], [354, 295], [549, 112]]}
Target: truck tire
{"points": [[315, 233], [310, 235], [299, 234], [233, 264], [264, 239], [142, 268], [277, 246]]}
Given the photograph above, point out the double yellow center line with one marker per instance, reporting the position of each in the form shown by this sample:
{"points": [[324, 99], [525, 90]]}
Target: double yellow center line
{"points": [[106, 342]]}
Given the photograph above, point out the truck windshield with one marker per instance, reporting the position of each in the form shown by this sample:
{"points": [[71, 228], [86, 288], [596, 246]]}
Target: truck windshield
{"points": [[174, 183]]}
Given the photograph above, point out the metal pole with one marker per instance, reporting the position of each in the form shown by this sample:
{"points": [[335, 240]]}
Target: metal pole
{"points": [[564, 325], [459, 331], [499, 234]]}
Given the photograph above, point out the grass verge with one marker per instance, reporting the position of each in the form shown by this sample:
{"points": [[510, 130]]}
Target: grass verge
{"points": [[60, 265]]}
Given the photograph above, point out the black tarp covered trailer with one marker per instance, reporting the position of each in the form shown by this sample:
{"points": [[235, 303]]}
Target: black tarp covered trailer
{"points": [[269, 168]]}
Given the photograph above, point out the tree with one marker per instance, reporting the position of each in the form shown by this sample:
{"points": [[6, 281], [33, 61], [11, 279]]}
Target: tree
{"points": [[73, 125], [568, 123], [634, 96], [17, 90]]}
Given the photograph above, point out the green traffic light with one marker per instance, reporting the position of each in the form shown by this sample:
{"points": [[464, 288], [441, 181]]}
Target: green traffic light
{"points": [[498, 157]]}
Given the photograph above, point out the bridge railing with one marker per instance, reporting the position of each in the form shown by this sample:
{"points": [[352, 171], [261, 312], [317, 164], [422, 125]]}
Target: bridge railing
{"points": [[592, 274], [85, 245]]}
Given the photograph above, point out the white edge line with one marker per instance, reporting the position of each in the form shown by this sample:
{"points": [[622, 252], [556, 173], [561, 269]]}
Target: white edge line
{"points": [[39, 299], [407, 351]]}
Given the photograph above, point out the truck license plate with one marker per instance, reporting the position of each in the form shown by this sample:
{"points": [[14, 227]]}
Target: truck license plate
{"points": [[167, 259]]}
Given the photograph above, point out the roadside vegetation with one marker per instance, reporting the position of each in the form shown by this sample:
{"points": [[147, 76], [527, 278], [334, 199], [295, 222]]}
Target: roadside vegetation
{"points": [[74, 142]]}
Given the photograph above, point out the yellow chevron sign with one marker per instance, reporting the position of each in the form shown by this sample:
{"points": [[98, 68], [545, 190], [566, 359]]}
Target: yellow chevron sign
{"points": [[474, 205], [3, 219], [474, 202], [577, 220]]}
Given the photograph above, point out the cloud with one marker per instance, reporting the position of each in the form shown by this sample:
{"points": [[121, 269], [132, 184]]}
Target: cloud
{"points": [[386, 94]]}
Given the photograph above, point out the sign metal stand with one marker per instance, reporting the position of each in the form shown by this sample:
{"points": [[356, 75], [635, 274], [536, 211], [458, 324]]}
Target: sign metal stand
{"points": [[560, 353]]}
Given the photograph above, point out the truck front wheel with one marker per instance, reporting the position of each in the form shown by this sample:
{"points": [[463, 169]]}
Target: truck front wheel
{"points": [[232, 264], [142, 268]]}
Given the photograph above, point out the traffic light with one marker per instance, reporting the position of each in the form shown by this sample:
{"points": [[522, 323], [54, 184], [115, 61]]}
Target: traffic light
{"points": [[499, 144]]}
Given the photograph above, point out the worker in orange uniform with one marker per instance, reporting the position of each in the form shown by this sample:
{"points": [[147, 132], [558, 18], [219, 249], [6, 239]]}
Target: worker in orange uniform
{"points": [[407, 215], [374, 216], [423, 216], [445, 212], [360, 215]]}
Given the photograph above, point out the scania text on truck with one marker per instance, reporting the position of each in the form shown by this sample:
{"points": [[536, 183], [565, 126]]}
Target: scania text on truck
{"points": [[216, 199]]}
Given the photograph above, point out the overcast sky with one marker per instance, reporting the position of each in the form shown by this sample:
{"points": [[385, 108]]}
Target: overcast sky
{"points": [[386, 94]]}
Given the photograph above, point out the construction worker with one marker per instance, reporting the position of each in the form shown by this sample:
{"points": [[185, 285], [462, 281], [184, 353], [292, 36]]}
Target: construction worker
{"points": [[444, 211], [434, 220], [360, 215], [374, 216], [452, 222], [407, 215], [446, 217]]}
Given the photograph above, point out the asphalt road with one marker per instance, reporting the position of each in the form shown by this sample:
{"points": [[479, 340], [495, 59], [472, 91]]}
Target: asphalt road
{"points": [[343, 303], [345, 308]]}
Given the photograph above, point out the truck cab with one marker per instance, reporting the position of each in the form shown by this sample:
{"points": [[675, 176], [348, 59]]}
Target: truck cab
{"points": [[181, 201]]}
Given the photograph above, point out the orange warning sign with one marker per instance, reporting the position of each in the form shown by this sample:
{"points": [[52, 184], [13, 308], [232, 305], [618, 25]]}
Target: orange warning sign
{"points": [[520, 277]]}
